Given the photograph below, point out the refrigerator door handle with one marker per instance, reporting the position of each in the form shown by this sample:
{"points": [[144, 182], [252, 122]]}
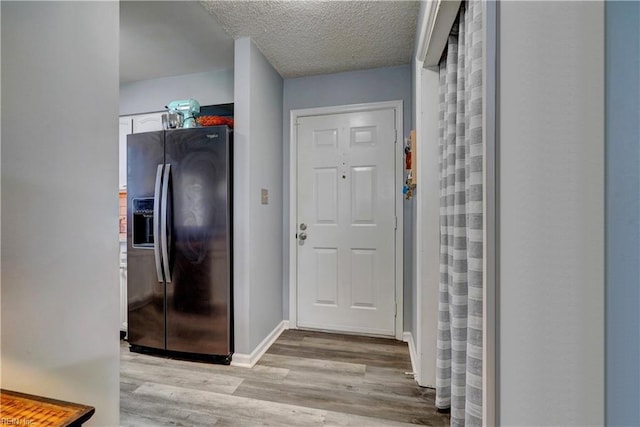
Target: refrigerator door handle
{"points": [[156, 223], [163, 223]]}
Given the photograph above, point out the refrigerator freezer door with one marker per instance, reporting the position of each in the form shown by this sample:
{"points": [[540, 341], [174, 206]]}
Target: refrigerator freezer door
{"points": [[145, 294], [198, 298]]}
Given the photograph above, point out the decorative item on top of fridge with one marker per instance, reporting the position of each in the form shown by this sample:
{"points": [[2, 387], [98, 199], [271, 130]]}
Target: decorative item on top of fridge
{"points": [[215, 121], [410, 166], [182, 113]]}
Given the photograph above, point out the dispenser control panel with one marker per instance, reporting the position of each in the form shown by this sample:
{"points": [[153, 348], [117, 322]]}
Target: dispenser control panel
{"points": [[142, 212]]}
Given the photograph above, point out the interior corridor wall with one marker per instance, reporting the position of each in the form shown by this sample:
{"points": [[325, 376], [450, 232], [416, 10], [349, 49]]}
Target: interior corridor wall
{"points": [[148, 96], [550, 133], [257, 227], [623, 212], [60, 323]]}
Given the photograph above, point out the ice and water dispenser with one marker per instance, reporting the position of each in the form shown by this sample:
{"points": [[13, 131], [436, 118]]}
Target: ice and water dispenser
{"points": [[142, 213]]}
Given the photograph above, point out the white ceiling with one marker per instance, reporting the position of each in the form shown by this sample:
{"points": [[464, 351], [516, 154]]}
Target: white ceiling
{"points": [[299, 37], [170, 38]]}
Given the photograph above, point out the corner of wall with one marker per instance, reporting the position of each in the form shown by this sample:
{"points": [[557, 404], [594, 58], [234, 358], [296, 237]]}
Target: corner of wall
{"points": [[258, 281], [249, 360], [56, 286], [550, 178], [413, 354], [241, 205], [622, 157], [0, 189]]}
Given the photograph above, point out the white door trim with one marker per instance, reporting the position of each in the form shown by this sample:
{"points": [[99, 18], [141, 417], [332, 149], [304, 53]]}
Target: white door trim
{"points": [[293, 205]]}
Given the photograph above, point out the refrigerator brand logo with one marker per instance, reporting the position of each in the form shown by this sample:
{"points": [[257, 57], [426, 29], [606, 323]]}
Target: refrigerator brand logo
{"points": [[212, 136]]}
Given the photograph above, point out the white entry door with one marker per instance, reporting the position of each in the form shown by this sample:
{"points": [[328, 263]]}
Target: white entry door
{"points": [[347, 222]]}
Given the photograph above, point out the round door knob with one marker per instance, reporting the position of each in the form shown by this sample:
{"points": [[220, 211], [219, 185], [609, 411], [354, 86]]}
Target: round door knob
{"points": [[302, 236]]}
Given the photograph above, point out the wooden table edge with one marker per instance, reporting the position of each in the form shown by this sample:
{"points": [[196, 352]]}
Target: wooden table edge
{"points": [[85, 412]]}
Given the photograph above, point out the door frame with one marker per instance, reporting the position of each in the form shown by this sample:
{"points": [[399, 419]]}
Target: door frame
{"points": [[397, 106]]}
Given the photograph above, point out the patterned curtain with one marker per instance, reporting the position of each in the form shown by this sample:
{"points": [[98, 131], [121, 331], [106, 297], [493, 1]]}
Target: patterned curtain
{"points": [[459, 357]]}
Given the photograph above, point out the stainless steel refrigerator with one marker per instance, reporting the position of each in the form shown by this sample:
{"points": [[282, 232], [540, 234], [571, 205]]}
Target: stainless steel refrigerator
{"points": [[179, 288]]}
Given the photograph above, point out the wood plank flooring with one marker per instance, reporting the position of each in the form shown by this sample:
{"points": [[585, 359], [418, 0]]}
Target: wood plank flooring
{"points": [[305, 379]]}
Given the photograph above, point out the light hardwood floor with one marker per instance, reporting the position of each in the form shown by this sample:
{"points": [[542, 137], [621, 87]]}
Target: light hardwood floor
{"points": [[304, 379]]}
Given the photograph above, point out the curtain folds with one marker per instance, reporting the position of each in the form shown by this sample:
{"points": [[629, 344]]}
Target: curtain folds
{"points": [[459, 342]]}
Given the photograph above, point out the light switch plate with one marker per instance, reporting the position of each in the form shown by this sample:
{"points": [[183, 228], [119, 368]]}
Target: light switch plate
{"points": [[264, 196]]}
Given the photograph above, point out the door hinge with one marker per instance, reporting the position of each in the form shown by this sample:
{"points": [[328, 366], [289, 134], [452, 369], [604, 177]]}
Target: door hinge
{"points": [[396, 313], [396, 226]]}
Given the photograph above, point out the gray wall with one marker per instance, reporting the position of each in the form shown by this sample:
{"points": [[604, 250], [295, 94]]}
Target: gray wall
{"points": [[257, 227], [355, 87], [147, 96], [551, 213], [60, 300], [623, 212]]}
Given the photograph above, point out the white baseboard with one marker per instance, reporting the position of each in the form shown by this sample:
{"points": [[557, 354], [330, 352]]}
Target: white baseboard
{"points": [[248, 360], [408, 338]]}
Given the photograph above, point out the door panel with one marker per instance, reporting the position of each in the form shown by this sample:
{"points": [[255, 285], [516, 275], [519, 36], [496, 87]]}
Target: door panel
{"points": [[326, 282], [326, 195], [346, 199], [362, 278], [145, 293], [198, 298], [363, 195]]}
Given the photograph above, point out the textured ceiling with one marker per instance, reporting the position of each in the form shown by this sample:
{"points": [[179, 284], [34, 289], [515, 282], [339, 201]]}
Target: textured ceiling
{"points": [[299, 37], [307, 37]]}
